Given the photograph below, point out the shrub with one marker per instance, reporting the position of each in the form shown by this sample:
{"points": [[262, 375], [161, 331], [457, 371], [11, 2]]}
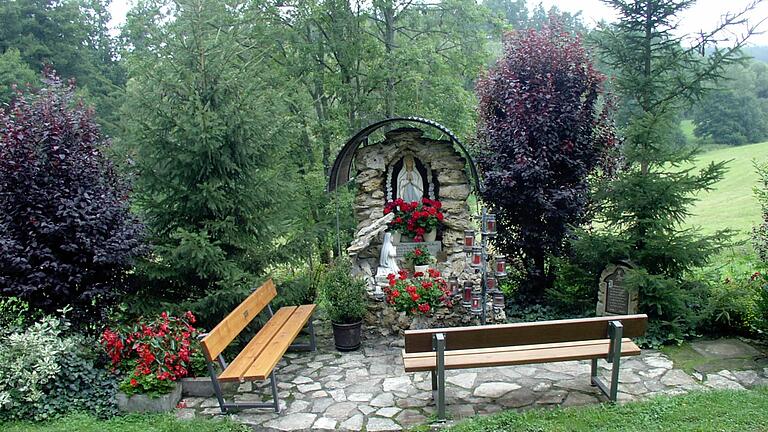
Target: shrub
{"points": [[66, 234], [344, 296], [47, 374], [419, 256], [543, 131], [154, 354], [419, 294]]}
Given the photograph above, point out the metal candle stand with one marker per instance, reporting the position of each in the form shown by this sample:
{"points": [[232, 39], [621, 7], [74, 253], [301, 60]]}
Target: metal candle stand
{"points": [[479, 258]]}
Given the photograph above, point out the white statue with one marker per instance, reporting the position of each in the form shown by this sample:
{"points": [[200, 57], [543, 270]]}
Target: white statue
{"points": [[410, 185], [387, 258]]}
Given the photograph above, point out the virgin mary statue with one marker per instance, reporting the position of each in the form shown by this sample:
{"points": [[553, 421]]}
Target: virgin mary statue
{"points": [[410, 185]]}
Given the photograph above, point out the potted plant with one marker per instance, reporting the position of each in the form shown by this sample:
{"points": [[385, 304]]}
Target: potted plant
{"points": [[418, 220], [420, 258], [344, 299], [153, 355]]}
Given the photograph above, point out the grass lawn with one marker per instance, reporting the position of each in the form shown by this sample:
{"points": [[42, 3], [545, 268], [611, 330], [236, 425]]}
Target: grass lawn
{"points": [[731, 204], [723, 410], [130, 423]]}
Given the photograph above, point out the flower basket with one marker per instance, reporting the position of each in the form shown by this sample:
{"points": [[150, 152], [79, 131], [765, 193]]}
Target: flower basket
{"points": [[416, 220]]}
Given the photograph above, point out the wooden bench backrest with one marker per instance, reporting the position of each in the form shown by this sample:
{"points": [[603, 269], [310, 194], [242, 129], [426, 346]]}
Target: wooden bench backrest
{"points": [[228, 329], [490, 336]]}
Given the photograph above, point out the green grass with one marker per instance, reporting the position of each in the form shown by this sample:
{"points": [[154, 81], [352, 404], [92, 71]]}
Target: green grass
{"points": [[129, 423], [731, 204], [723, 410]]}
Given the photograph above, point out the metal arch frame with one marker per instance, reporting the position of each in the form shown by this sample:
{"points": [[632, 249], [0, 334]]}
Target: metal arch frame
{"points": [[342, 166]]}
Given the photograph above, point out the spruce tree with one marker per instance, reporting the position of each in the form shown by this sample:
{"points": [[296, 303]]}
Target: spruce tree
{"points": [[205, 144], [658, 73]]}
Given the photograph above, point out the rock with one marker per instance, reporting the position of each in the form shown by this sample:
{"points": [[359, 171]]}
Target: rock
{"points": [[388, 412], [305, 388], [378, 424], [301, 380], [366, 409], [401, 384], [383, 400], [411, 418], [320, 405], [292, 422], [540, 387], [720, 382], [340, 411], [355, 423], [464, 380], [494, 389], [553, 397], [338, 395], [578, 399], [360, 397], [658, 362], [677, 378], [298, 406], [185, 413], [325, 423]]}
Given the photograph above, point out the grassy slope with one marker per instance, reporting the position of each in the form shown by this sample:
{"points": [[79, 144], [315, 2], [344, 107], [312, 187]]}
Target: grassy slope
{"points": [[708, 411], [731, 204]]}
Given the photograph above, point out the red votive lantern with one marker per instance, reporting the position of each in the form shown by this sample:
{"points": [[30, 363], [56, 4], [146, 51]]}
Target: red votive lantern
{"points": [[498, 300], [501, 266], [466, 297], [453, 285], [490, 224], [476, 307], [476, 259], [469, 240], [490, 283]]}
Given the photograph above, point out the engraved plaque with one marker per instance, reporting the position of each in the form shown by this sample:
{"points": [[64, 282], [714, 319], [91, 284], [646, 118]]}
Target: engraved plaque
{"points": [[616, 296], [434, 248]]}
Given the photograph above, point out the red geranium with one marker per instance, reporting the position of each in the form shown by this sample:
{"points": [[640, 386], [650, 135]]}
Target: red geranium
{"points": [[152, 352], [425, 292], [416, 218]]}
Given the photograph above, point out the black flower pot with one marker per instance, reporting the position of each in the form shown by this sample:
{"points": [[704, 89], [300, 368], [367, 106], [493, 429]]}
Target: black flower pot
{"points": [[347, 337]]}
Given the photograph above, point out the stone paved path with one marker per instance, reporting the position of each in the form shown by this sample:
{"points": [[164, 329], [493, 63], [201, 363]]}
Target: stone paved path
{"points": [[328, 390]]}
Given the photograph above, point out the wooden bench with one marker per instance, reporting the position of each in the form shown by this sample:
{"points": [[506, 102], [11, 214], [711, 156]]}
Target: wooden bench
{"points": [[257, 361], [436, 350]]}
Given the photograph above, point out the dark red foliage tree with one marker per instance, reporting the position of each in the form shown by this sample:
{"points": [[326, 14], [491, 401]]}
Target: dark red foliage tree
{"points": [[66, 234], [543, 130]]}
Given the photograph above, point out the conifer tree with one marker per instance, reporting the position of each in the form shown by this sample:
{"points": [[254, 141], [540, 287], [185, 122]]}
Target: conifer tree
{"points": [[204, 138], [659, 73]]}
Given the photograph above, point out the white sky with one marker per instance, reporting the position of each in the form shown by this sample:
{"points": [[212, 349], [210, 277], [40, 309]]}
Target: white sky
{"points": [[704, 15]]}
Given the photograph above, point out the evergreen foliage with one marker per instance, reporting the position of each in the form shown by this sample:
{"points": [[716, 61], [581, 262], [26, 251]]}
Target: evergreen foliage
{"points": [[543, 131], [203, 128], [13, 72], [643, 208], [66, 234]]}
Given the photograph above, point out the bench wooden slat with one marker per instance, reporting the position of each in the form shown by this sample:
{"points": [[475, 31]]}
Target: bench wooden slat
{"points": [[238, 367], [512, 348], [228, 329], [490, 336], [503, 356], [278, 345]]}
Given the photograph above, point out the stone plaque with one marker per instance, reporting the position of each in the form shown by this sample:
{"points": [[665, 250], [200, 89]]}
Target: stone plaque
{"points": [[434, 248], [616, 297], [613, 297]]}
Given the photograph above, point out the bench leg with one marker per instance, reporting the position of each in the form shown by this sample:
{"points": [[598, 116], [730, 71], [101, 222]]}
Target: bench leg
{"points": [[615, 333], [439, 380], [434, 382], [312, 345], [276, 401]]}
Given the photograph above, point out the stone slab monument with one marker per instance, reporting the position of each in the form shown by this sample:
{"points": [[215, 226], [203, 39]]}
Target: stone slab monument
{"points": [[613, 296]]}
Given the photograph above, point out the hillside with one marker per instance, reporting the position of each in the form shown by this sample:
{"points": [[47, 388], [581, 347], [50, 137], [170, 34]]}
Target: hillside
{"points": [[731, 204]]}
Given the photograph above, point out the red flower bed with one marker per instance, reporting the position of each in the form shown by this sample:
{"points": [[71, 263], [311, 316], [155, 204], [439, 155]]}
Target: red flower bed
{"points": [[416, 218], [419, 294], [153, 354]]}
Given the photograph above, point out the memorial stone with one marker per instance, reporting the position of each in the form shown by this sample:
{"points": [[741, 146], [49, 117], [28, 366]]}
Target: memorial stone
{"points": [[613, 296]]}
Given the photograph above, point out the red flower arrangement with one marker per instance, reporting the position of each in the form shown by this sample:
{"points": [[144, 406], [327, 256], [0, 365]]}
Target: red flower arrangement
{"points": [[419, 294], [154, 355], [415, 218]]}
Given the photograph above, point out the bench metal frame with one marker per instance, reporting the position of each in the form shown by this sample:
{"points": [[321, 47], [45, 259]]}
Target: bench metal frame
{"points": [[615, 334], [275, 404]]}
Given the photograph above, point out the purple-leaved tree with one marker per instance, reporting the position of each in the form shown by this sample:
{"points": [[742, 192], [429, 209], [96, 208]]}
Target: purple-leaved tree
{"points": [[67, 237], [544, 128]]}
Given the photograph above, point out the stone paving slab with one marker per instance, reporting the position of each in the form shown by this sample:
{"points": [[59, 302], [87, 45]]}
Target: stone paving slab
{"points": [[369, 390]]}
